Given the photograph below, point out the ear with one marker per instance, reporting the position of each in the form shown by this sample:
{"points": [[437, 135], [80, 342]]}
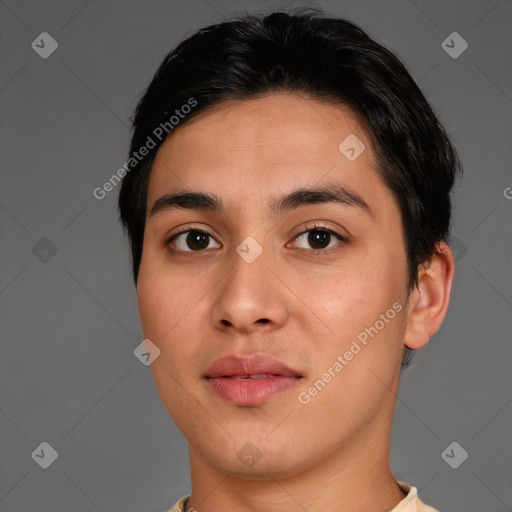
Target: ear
{"points": [[429, 301]]}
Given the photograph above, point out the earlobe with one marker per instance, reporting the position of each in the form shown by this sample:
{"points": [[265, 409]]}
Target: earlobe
{"points": [[429, 301]]}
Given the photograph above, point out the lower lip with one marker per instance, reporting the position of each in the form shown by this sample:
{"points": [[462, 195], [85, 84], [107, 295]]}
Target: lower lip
{"points": [[250, 391]]}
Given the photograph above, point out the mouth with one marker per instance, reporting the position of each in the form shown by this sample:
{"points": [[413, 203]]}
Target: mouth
{"points": [[250, 381], [244, 377]]}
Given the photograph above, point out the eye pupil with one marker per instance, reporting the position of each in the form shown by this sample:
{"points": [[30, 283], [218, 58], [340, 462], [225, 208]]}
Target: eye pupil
{"points": [[195, 238], [318, 237]]}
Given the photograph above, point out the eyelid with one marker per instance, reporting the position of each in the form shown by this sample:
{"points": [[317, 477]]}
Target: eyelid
{"points": [[321, 226], [189, 227], [185, 229]]}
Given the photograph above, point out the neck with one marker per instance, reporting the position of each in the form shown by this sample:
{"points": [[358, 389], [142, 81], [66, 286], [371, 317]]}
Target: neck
{"points": [[352, 477]]}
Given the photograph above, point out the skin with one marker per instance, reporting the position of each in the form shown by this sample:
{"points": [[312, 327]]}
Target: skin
{"points": [[332, 453]]}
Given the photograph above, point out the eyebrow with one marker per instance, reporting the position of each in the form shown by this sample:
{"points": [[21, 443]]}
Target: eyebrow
{"points": [[205, 201]]}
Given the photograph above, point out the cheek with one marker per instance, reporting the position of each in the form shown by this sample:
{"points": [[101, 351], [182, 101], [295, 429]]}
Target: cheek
{"points": [[160, 306], [356, 295], [161, 291], [169, 307], [163, 318], [150, 295], [363, 306]]}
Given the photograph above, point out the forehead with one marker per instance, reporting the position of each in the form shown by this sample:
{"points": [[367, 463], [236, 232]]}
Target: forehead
{"points": [[259, 147]]}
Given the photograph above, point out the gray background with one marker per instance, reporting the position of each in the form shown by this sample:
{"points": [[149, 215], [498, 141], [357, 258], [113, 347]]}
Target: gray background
{"points": [[69, 320]]}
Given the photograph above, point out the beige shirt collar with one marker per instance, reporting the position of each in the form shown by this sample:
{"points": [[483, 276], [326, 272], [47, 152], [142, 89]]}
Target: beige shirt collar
{"points": [[411, 502]]}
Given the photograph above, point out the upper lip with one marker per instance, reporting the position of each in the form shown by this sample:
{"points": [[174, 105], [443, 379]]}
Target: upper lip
{"points": [[250, 365]]}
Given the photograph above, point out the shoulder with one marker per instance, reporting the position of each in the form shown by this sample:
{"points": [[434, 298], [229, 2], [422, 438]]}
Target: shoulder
{"points": [[180, 505], [411, 502]]}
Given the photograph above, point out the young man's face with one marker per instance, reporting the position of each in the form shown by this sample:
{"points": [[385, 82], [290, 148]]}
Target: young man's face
{"points": [[263, 284]]}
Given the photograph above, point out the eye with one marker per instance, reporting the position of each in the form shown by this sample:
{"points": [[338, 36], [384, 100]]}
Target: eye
{"points": [[319, 237], [196, 240]]}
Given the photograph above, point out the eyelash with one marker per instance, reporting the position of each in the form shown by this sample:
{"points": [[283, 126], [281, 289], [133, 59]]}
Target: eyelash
{"points": [[314, 227]]}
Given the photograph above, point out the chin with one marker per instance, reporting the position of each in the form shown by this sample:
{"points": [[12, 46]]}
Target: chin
{"points": [[256, 459], [277, 468]]}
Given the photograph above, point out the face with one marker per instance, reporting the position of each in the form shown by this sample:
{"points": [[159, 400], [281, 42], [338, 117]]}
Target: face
{"points": [[280, 324]]}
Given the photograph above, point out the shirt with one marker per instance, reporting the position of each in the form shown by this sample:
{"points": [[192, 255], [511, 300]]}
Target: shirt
{"points": [[411, 503]]}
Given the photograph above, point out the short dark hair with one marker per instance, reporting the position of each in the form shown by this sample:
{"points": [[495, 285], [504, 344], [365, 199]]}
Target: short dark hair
{"points": [[328, 59]]}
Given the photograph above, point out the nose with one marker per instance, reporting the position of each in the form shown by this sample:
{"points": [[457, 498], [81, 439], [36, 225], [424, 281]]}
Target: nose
{"points": [[251, 297]]}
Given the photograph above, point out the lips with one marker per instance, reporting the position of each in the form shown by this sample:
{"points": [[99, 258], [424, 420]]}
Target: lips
{"points": [[233, 366], [250, 380], [248, 376]]}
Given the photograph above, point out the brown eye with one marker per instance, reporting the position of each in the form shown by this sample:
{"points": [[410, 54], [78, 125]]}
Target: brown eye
{"points": [[319, 238], [192, 240]]}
